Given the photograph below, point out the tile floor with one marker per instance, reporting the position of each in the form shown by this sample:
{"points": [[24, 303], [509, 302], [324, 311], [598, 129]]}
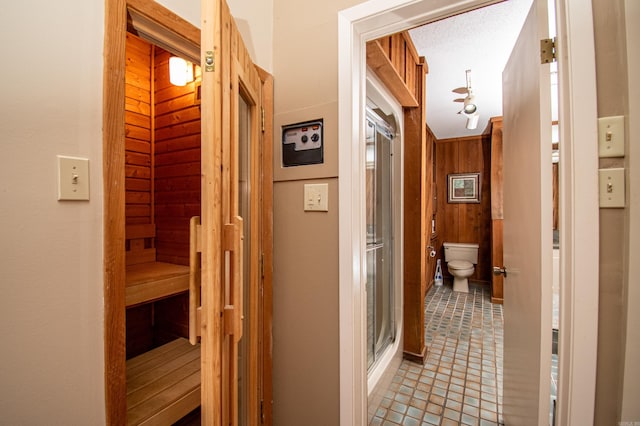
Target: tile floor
{"points": [[461, 380]]}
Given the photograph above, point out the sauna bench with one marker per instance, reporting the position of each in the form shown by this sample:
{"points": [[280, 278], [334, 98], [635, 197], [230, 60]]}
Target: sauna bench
{"points": [[163, 385], [146, 282]]}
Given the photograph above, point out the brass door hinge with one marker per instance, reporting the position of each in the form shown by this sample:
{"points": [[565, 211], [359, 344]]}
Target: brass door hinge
{"points": [[548, 50]]}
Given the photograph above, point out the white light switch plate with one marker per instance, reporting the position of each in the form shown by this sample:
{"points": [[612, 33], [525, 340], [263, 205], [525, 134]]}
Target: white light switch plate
{"points": [[611, 187], [73, 178], [611, 136], [316, 197]]}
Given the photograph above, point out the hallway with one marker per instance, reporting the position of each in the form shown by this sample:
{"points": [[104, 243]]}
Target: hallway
{"points": [[461, 381]]}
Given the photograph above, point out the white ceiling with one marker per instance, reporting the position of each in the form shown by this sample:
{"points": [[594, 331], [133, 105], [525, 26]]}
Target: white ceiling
{"points": [[480, 40]]}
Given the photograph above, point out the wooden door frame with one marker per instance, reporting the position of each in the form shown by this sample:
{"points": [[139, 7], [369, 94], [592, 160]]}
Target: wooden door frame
{"points": [[266, 216]]}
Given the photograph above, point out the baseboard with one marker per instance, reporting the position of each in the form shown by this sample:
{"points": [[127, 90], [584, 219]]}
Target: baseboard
{"points": [[413, 357]]}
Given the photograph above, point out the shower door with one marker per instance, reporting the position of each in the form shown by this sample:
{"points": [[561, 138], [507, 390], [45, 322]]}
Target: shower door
{"points": [[379, 222]]}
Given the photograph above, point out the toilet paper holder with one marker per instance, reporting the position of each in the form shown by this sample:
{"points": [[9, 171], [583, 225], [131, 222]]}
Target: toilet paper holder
{"points": [[432, 251]]}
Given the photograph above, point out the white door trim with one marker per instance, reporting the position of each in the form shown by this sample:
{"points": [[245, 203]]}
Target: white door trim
{"points": [[376, 18], [631, 386], [579, 214]]}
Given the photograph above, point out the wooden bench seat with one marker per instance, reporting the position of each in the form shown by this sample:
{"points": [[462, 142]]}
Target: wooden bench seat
{"points": [[146, 279], [151, 281], [163, 385]]}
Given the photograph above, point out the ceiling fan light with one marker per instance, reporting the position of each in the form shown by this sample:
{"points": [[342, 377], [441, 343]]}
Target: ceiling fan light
{"points": [[470, 106]]}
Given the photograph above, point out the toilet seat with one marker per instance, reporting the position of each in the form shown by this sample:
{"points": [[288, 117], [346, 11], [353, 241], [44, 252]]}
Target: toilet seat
{"points": [[460, 264]]}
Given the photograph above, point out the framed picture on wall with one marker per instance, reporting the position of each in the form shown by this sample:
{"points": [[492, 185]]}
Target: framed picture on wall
{"points": [[464, 188]]}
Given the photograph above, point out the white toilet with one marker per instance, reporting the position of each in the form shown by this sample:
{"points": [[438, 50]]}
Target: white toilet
{"points": [[460, 258]]}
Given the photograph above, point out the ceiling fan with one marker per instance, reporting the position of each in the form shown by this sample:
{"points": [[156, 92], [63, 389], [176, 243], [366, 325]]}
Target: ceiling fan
{"points": [[470, 108]]}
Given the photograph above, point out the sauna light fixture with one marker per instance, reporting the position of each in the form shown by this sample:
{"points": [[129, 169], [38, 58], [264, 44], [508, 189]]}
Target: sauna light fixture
{"points": [[180, 71]]}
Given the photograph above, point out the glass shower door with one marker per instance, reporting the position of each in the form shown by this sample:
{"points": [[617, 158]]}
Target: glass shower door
{"points": [[379, 221]]}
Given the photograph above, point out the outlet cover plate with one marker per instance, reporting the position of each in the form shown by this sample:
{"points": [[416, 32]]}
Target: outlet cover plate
{"points": [[611, 136], [73, 178], [612, 188]]}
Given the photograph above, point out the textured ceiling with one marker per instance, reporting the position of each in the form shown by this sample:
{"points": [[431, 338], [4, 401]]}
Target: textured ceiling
{"points": [[480, 40]]}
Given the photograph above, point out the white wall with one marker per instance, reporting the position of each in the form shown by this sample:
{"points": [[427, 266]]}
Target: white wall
{"points": [[51, 308], [254, 19]]}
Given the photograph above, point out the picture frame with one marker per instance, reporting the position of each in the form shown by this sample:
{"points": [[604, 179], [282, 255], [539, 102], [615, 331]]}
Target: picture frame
{"points": [[464, 188]]}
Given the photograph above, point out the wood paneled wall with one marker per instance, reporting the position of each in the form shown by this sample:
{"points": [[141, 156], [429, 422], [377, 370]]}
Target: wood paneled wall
{"points": [[396, 61], [162, 150], [430, 210], [162, 167], [416, 187], [138, 144], [177, 163], [465, 222]]}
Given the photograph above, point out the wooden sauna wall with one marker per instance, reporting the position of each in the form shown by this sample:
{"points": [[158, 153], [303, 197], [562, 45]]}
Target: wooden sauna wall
{"points": [[138, 169], [138, 173], [176, 185], [177, 163], [465, 222], [162, 183]]}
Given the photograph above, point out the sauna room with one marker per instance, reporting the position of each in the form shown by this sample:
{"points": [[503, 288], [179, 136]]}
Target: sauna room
{"points": [[162, 193]]}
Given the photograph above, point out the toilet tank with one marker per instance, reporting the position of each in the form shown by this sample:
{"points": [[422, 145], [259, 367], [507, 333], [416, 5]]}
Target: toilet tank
{"points": [[461, 251]]}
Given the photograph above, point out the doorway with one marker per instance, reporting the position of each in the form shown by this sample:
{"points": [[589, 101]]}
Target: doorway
{"points": [[173, 36], [365, 23]]}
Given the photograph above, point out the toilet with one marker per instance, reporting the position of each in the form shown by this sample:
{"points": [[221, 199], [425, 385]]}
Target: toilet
{"points": [[461, 258]]}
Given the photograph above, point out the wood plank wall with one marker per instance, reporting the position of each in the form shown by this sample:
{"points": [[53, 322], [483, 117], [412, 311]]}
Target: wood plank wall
{"points": [[138, 146], [396, 61], [430, 211], [177, 163], [465, 222], [162, 167]]}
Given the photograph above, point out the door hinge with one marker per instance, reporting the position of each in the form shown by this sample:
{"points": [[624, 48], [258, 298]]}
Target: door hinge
{"points": [[261, 411], [261, 265], [262, 118], [548, 50]]}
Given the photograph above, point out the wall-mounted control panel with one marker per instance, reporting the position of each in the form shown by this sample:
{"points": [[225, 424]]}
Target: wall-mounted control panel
{"points": [[303, 143]]}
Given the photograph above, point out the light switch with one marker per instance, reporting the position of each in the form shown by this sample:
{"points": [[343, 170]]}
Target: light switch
{"points": [[611, 187], [316, 197], [73, 178], [611, 136]]}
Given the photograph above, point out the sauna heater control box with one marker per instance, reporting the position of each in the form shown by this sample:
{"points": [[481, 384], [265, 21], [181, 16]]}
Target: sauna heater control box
{"points": [[302, 144]]}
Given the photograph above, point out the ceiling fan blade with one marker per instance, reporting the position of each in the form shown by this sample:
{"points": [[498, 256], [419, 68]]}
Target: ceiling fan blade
{"points": [[460, 90], [458, 100]]}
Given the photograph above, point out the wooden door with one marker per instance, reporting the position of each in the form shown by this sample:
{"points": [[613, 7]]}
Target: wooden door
{"points": [[235, 235], [527, 226]]}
